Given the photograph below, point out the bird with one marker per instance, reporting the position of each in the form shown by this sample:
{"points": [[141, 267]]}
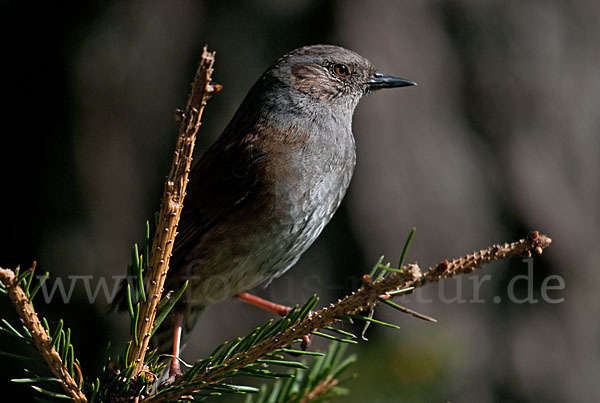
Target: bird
{"points": [[263, 192]]}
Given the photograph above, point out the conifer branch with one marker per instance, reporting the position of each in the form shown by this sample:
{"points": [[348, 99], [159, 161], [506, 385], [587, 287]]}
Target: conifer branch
{"points": [[171, 206], [41, 339], [320, 381], [406, 278]]}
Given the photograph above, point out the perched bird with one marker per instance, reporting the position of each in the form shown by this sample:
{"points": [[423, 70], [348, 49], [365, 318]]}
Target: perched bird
{"points": [[262, 193]]}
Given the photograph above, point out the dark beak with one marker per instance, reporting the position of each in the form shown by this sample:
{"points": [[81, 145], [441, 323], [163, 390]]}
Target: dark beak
{"points": [[380, 80]]}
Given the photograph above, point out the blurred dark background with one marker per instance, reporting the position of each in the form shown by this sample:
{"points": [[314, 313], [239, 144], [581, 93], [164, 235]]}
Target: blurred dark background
{"points": [[501, 136]]}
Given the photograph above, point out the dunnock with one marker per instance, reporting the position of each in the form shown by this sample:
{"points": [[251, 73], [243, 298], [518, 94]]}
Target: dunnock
{"points": [[261, 195]]}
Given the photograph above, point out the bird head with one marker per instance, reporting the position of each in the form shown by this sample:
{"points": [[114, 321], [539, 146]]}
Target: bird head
{"points": [[331, 74]]}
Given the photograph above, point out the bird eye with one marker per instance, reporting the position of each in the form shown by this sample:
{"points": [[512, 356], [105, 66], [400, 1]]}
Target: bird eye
{"points": [[341, 70]]}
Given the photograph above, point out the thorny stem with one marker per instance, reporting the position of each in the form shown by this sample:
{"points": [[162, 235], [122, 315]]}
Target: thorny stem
{"points": [[172, 204], [358, 301], [40, 336]]}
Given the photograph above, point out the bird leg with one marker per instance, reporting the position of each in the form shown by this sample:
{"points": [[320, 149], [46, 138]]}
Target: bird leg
{"points": [[174, 369], [272, 307]]}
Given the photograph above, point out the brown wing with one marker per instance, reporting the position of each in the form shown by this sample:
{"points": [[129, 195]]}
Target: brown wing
{"points": [[222, 179]]}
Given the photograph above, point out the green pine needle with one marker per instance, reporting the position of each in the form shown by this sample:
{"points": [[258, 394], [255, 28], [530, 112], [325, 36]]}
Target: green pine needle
{"points": [[401, 291], [50, 393], [367, 319], [168, 307], [57, 336], [35, 380], [22, 278], [340, 331], [19, 357], [322, 372], [11, 330], [406, 246], [307, 307], [300, 352], [329, 337], [37, 287], [376, 266], [387, 268], [291, 364]]}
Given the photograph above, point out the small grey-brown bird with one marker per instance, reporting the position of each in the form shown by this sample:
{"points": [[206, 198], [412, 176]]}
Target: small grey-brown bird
{"points": [[261, 195]]}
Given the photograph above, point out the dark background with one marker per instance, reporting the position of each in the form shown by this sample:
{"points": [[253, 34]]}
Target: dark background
{"points": [[501, 136]]}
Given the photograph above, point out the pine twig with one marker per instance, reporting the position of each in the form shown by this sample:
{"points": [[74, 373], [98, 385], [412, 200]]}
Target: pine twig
{"points": [[322, 387], [172, 204], [39, 335], [408, 278], [534, 242]]}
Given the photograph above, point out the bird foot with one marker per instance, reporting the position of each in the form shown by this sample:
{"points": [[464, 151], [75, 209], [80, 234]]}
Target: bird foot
{"points": [[306, 340], [174, 370]]}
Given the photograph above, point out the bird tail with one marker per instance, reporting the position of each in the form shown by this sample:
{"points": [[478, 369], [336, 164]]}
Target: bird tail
{"points": [[163, 337]]}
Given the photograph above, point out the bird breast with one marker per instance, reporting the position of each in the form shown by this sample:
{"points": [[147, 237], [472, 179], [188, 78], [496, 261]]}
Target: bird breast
{"points": [[308, 175]]}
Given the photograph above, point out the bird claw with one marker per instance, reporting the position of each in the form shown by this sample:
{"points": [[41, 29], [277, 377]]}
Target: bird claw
{"points": [[173, 377], [174, 371], [306, 340], [174, 374]]}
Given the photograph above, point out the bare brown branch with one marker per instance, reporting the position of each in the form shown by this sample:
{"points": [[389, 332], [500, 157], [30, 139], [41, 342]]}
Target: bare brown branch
{"points": [[172, 204], [39, 335], [361, 300]]}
